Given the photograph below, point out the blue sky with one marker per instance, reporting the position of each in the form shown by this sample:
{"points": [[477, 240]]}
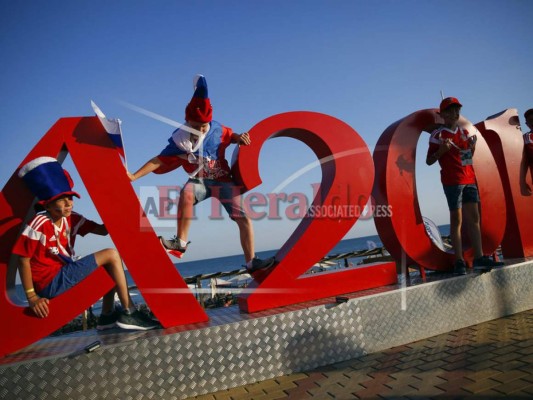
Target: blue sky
{"points": [[366, 63]]}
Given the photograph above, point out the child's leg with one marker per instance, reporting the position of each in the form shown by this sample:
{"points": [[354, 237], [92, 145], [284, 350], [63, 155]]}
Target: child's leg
{"points": [[455, 233], [246, 233], [185, 211], [454, 197], [228, 195], [471, 213], [110, 260], [108, 302]]}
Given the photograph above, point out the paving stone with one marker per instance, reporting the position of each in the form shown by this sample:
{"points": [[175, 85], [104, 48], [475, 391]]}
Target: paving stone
{"points": [[206, 397], [457, 365], [505, 377], [427, 378], [432, 365], [482, 385], [528, 391], [507, 348], [484, 356], [483, 374], [292, 377], [277, 394], [359, 373], [491, 394], [455, 385], [302, 390], [339, 392], [511, 365], [487, 364], [222, 396], [411, 364], [524, 350], [513, 386], [507, 357], [460, 349], [402, 390]]}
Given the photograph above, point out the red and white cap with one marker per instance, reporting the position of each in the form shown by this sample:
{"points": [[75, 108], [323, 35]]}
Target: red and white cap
{"points": [[448, 101]]}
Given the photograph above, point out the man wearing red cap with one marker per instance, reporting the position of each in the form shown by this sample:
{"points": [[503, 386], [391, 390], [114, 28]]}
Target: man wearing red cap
{"points": [[199, 147], [45, 249], [453, 147]]}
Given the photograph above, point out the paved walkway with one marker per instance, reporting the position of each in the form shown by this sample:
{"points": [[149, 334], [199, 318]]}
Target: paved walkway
{"points": [[485, 361]]}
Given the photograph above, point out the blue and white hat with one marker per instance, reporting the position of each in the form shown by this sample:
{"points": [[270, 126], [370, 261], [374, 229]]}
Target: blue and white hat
{"points": [[47, 179]]}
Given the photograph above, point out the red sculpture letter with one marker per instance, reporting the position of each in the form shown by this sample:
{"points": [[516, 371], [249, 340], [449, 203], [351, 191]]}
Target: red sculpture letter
{"points": [[157, 278], [502, 133]]}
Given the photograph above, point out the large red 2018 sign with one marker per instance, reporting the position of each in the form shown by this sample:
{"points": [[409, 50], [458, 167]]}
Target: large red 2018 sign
{"points": [[347, 168]]}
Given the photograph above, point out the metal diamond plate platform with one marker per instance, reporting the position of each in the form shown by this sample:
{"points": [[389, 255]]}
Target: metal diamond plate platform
{"points": [[234, 349]]}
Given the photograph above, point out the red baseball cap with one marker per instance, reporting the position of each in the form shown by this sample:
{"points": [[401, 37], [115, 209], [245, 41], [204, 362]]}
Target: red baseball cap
{"points": [[448, 101]]}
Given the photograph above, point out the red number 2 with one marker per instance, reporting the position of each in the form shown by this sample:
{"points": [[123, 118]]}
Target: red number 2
{"points": [[346, 163]]}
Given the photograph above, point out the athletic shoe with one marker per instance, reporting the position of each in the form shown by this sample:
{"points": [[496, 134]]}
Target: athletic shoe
{"points": [[136, 320], [459, 268], [485, 264], [258, 264], [108, 321], [173, 246]]}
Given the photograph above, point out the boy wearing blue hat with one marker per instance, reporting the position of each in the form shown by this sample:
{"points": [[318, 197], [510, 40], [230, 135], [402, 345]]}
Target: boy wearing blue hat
{"points": [[199, 146], [47, 263]]}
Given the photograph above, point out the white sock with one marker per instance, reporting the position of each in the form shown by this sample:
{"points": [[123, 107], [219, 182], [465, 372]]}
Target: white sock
{"points": [[183, 243]]}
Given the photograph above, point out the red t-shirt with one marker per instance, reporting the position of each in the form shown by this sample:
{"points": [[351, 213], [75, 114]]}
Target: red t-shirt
{"points": [[456, 164], [48, 247]]}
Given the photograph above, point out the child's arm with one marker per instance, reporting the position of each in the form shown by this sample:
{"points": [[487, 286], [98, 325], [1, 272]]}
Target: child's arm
{"points": [[443, 148], [242, 139], [39, 305], [150, 166], [100, 229]]}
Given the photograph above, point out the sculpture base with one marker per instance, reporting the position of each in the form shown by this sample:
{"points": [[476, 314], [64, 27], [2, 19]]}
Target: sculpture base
{"points": [[234, 349]]}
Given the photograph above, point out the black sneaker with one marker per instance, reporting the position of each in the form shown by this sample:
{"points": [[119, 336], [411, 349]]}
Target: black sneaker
{"points": [[258, 264], [136, 320], [107, 321], [173, 246], [459, 268], [485, 264]]}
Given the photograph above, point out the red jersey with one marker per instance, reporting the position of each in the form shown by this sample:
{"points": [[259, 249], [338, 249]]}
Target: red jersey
{"points": [[48, 246], [456, 164]]}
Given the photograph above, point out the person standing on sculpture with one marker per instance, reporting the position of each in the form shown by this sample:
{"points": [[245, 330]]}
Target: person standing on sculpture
{"points": [[453, 148], [199, 146]]}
